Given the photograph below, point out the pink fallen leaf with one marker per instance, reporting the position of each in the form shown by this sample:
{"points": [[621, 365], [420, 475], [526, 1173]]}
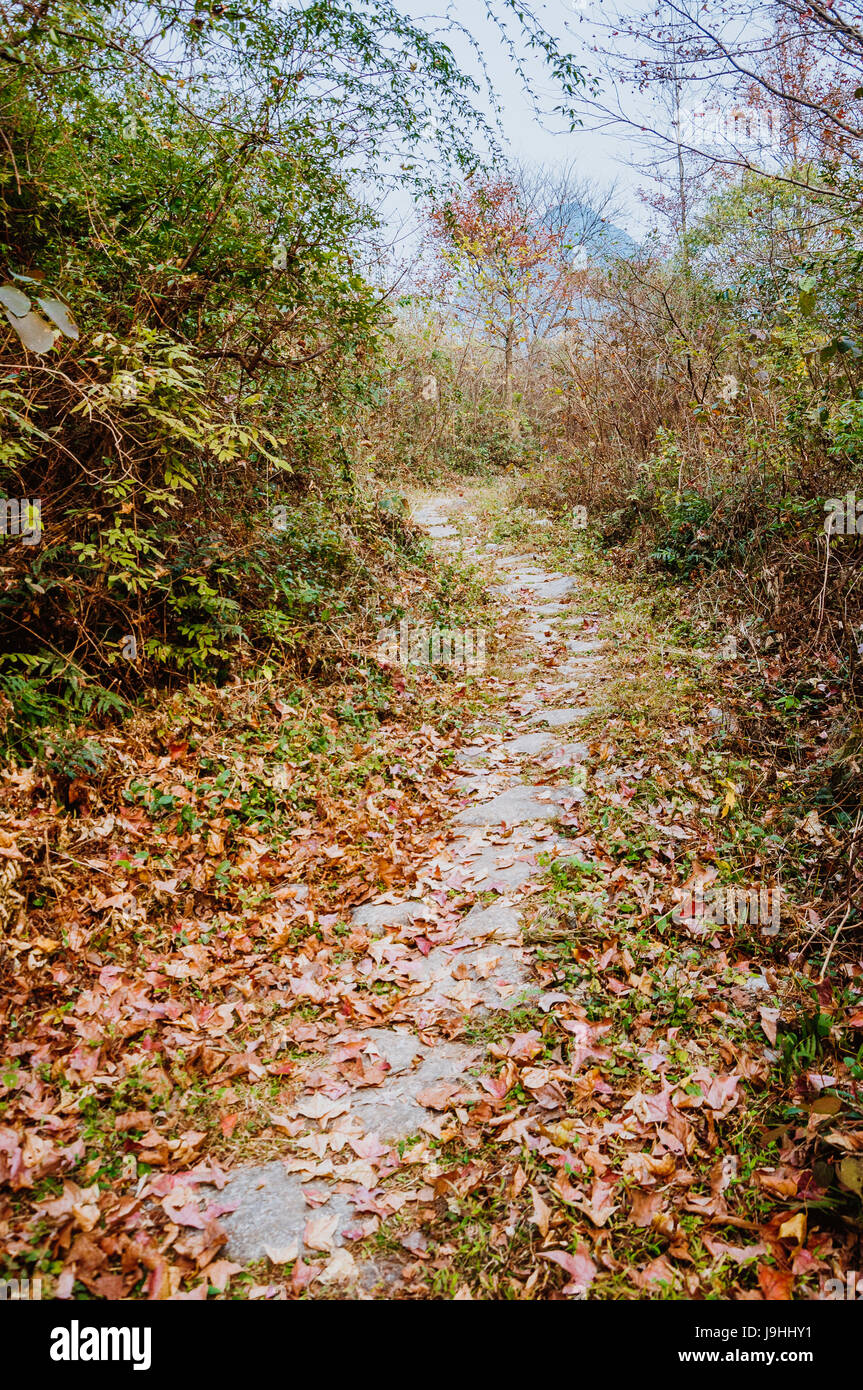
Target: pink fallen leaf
{"points": [[365, 1201], [369, 1146], [438, 1096], [601, 1204], [183, 1213], [496, 1086], [650, 1109], [645, 1206], [769, 1020], [659, 1271], [541, 1212], [302, 1275], [525, 1046], [219, 1273], [579, 1267], [320, 1232], [721, 1095]]}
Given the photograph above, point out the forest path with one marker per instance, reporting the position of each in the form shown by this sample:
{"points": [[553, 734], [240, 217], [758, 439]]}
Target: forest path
{"points": [[450, 967]]}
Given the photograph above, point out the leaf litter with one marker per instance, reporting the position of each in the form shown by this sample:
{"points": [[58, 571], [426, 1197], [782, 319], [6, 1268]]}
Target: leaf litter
{"points": [[190, 991]]}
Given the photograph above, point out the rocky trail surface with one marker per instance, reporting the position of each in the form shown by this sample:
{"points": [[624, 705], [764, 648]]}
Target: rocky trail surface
{"points": [[452, 967]]}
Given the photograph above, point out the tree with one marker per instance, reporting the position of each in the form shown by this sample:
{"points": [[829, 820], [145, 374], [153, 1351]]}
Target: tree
{"points": [[783, 80], [504, 265]]}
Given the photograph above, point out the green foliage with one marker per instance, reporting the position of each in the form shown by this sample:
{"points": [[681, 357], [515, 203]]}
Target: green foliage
{"points": [[685, 544], [71, 757], [43, 688]]}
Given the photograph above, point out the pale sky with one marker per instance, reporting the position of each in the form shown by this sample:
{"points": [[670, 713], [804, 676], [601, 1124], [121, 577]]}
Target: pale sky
{"points": [[608, 152], [600, 155]]}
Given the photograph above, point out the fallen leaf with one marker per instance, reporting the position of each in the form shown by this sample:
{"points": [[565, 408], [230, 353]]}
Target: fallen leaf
{"points": [[341, 1269], [775, 1284], [541, 1212], [794, 1228], [645, 1206], [439, 1096], [283, 1254], [579, 1267], [320, 1232]]}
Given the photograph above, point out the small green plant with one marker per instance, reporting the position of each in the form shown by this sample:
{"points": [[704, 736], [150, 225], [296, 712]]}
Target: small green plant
{"points": [[687, 541], [800, 1047], [72, 757]]}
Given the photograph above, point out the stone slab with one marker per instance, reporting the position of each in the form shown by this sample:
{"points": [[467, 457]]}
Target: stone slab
{"points": [[560, 717], [527, 743], [518, 805], [498, 920], [376, 916]]}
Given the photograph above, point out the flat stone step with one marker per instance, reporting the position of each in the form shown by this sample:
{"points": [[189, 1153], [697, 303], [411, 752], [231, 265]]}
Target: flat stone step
{"points": [[542, 632], [271, 1211], [567, 755], [559, 718], [520, 561], [466, 756], [271, 1214], [527, 743], [520, 804], [555, 588], [380, 915], [497, 920], [506, 868], [489, 967], [583, 648]]}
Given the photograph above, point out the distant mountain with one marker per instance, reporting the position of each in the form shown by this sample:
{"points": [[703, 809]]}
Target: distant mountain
{"points": [[604, 240]]}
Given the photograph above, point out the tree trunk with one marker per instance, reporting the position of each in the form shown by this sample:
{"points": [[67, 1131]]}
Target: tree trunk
{"points": [[512, 422]]}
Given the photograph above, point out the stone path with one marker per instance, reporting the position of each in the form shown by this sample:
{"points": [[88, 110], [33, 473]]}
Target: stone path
{"points": [[452, 966]]}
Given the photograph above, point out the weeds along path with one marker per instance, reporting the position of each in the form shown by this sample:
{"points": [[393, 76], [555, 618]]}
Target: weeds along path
{"points": [[455, 970]]}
